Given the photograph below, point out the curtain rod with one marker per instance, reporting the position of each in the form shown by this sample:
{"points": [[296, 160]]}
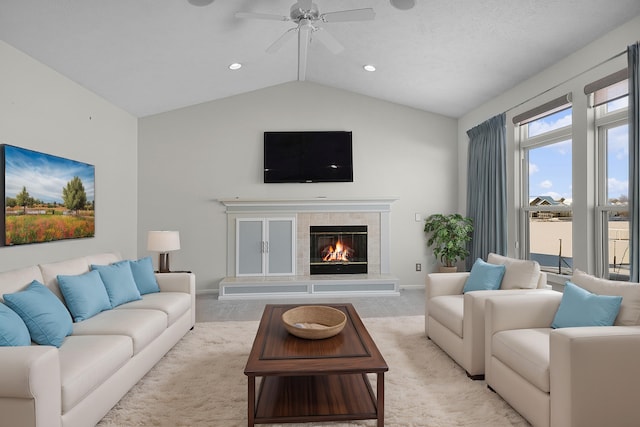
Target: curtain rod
{"points": [[567, 80]]}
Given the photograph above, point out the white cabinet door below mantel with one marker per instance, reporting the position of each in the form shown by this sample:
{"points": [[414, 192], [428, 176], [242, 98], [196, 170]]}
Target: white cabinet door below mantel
{"points": [[265, 246]]}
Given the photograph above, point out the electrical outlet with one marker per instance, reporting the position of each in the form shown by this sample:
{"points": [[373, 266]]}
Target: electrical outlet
{"points": [[418, 266]]}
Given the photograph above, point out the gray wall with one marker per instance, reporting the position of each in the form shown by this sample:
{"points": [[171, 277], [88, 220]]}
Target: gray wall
{"points": [[190, 158], [43, 111]]}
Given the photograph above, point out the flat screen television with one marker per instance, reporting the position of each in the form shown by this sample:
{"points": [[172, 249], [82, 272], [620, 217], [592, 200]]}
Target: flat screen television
{"points": [[314, 156]]}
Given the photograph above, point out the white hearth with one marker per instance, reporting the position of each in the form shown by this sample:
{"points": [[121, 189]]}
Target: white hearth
{"points": [[372, 212]]}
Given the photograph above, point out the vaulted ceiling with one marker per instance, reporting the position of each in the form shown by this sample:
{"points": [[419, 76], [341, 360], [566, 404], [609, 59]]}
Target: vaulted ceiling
{"points": [[443, 56]]}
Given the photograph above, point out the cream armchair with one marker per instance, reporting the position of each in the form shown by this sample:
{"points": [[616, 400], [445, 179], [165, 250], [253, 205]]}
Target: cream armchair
{"points": [[568, 377], [455, 321]]}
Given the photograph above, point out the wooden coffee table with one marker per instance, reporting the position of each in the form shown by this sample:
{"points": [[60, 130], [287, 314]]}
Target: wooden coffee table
{"points": [[314, 380]]}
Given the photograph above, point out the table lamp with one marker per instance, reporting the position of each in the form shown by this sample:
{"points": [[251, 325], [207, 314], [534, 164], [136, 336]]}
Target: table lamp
{"points": [[163, 242]]}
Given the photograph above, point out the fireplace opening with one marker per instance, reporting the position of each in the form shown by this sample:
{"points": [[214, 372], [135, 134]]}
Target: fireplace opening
{"points": [[338, 249]]}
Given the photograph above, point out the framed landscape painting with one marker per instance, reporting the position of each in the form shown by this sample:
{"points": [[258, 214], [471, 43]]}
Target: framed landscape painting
{"points": [[45, 198]]}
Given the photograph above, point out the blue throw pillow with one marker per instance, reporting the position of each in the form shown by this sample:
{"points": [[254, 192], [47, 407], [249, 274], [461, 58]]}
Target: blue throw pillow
{"points": [[579, 307], [46, 317], [119, 282], [85, 295], [143, 275], [484, 276], [13, 331]]}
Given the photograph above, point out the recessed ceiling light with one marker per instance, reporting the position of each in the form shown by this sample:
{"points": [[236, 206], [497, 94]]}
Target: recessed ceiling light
{"points": [[403, 4], [369, 67], [235, 66]]}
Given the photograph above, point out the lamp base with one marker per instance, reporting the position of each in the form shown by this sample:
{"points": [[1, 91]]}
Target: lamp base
{"points": [[163, 264]]}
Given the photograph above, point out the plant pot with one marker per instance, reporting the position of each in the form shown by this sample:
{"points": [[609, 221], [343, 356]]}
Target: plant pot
{"points": [[443, 269]]}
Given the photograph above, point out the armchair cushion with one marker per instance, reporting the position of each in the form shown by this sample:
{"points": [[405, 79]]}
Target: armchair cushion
{"points": [[519, 273], [484, 277], [580, 307], [629, 314]]}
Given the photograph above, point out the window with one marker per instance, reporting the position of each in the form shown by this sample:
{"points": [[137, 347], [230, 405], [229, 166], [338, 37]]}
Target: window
{"points": [[612, 210], [546, 215]]}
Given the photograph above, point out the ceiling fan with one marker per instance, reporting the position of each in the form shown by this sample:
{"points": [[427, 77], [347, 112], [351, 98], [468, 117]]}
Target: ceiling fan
{"points": [[305, 13]]}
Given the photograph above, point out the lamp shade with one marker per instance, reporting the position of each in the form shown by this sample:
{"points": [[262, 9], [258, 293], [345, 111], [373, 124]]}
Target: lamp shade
{"points": [[163, 241]]}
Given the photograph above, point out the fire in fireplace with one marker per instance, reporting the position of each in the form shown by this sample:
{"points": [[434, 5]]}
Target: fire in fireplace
{"points": [[338, 249]]}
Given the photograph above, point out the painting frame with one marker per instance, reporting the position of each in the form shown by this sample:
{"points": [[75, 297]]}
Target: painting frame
{"points": [[45, 198]]}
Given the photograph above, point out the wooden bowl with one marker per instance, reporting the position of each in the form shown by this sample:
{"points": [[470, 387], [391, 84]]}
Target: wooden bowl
{"points": [[314, 322]]}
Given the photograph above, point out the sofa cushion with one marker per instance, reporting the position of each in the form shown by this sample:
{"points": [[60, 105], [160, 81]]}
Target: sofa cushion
{"points": [[105, 258], [629, 314], [519, 273], [70, 267], [526, 351], [18, 279], [84, 294], [484, 277], [86, 362], [119, 282], [13, 331], [144, 276], [46, 317], [580, 307], [448, 310], [142, 326], [174, 304]]}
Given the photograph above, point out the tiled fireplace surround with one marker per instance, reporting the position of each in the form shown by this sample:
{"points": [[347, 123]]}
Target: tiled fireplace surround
{"points": [[374, 213]]}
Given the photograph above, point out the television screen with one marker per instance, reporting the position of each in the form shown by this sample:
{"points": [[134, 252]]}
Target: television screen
{"points": [[308, 157]]}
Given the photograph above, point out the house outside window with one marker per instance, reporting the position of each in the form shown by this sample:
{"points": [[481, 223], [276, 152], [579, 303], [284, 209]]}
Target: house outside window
{"points": [[546, 206]]}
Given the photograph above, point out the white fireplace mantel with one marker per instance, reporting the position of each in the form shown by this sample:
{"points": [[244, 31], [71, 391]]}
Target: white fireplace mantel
{"points": [[318, 204], [374, 211]]}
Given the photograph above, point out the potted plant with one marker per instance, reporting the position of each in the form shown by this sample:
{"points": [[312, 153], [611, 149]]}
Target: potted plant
{"points": [[449, 237]]}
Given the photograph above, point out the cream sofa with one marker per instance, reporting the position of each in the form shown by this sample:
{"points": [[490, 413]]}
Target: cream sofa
{"points": [[566, 377], [79, 382], [455, 321]]}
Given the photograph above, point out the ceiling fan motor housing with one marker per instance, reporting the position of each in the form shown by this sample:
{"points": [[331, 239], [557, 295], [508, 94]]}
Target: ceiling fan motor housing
{"points": [[297, 13]]}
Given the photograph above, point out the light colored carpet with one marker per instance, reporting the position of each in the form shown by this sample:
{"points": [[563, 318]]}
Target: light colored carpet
{"points": [[201, 382]]}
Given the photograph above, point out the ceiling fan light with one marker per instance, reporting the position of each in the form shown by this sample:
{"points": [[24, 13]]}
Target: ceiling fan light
{"points": [[235, 66], [369, 67], [403, 4]]}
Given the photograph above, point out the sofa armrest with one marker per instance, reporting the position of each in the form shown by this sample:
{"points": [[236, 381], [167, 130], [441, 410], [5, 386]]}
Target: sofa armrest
{"points": [[473, 322], [438, 284], [531, 310], [180, 282], [595, 376], [177, 282], [445, 284], [30, 385], [534, 310]]}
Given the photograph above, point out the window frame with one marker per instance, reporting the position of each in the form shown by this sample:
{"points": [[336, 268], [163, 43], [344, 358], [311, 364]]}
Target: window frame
{"points": [[603, 122], [525, 144]]}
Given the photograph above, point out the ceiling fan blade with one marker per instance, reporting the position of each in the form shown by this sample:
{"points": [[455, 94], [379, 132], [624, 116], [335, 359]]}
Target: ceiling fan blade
{"points": [[276, 45], [366, 14], [268, 16], [304, 33], [328, 40]]}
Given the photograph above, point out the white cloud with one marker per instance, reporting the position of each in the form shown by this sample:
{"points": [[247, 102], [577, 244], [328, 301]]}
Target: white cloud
{"points": [[617, 188], [533, 168], [546, 184]]}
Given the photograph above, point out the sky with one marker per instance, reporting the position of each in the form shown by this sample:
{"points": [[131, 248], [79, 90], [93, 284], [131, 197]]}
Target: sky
{"points": [[44, 175], [550, 166]]}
